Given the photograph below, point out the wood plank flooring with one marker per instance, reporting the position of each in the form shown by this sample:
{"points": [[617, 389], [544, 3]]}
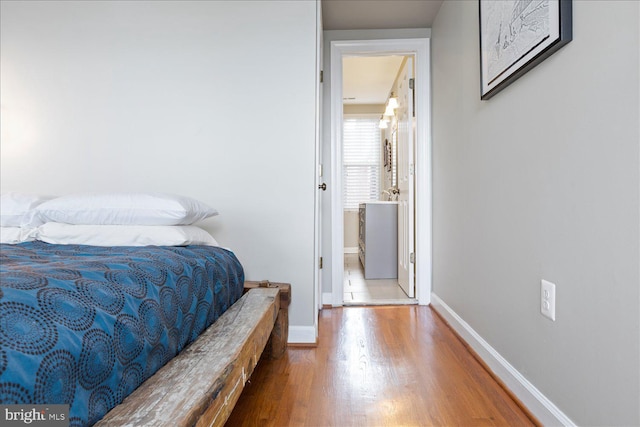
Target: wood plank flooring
{"points": [[377, 366]]}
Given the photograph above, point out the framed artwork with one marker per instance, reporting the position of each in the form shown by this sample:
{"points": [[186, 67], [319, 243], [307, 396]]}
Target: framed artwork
{"points": [[387, 155], [517, 35]]}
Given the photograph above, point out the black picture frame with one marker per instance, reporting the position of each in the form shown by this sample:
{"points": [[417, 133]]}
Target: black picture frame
{"points": [[387, 155], [517, 35]]}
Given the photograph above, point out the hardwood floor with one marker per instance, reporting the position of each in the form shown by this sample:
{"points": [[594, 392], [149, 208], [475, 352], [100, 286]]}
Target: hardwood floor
{"points": [[377, 366]]}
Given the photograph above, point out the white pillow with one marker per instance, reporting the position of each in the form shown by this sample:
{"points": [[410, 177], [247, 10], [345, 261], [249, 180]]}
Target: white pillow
{"points": [[15, 235], [16, 209], [124, 209], [124, 235]]}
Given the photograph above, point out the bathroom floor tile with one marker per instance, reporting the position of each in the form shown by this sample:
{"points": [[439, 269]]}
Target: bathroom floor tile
{"points": [[361, 291]]}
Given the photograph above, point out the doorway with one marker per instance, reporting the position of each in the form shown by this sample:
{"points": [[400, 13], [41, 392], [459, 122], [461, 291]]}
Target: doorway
{"points": [[421, 170], [378, 136]]}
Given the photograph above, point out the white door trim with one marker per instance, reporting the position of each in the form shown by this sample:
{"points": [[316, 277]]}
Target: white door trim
{"points": [[421, 49], [317, 272]]}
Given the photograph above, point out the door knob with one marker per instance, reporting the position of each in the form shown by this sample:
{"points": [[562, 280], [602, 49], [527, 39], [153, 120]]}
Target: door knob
{"points": [[322, 186]]}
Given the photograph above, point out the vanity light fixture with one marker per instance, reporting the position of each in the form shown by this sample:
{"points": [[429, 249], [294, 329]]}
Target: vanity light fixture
{"points": [[392, 102], [389, 111]]}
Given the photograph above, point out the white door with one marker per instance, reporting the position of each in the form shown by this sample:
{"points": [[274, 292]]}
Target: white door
{"points": [[406, 128]]}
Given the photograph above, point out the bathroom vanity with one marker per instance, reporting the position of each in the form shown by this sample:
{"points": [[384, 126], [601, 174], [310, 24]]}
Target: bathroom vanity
{"points": [[378, 239]]}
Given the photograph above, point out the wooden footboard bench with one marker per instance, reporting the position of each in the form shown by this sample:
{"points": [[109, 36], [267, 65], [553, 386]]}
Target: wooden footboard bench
{"points": [[201, 385], [277, 344]]}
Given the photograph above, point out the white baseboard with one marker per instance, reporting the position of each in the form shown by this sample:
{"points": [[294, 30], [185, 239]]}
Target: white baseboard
{"points": [[353, 250], [539, 405], [302, 335]]}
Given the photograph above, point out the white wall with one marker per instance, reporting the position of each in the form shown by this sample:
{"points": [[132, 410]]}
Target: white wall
{"points": [[543, 182], [179, 97], [351, 229], [376, 109]]}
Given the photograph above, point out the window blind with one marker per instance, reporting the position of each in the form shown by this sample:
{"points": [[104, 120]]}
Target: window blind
{"points": [[361, 161]]}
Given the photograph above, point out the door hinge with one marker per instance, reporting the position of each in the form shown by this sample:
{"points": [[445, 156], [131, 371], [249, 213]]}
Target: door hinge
{"points": [[321, 76], [412, 86], [412, 258], [320, 263]]}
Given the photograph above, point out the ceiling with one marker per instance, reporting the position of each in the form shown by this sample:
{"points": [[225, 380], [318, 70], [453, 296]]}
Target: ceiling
{"points": [[368, 80], [378, 14]]}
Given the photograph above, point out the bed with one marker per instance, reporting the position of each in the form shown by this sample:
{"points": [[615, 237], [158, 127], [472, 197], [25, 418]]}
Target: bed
{"points": [[128, 335]]}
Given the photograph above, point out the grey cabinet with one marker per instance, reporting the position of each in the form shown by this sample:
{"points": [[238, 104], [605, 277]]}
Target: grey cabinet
{"points": [[378, 240]]}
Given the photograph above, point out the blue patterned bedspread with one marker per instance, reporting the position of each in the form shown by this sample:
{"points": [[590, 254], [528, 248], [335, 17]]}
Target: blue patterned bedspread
{"points": [[86, 325]]}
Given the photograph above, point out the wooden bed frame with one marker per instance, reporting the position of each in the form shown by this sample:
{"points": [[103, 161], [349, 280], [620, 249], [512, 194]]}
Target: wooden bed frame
{"points": [[201, 385]]}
